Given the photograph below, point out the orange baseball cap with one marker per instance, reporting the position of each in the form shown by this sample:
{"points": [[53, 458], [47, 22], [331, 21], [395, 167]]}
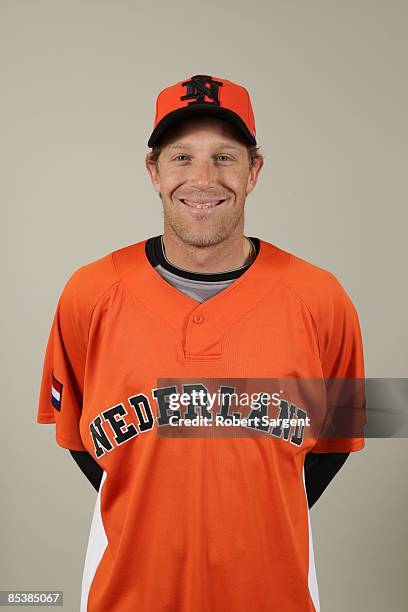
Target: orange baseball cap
{"points": [[204, 95]]}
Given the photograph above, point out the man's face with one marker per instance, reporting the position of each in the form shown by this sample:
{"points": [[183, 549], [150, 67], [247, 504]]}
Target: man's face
{"points": [[203, 178]]}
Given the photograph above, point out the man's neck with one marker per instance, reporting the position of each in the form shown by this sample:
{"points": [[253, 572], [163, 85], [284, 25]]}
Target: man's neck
{"points": [[231, 254]]}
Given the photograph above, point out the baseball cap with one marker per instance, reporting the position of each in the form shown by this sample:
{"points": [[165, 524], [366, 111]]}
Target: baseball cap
{"points": [[204, 95]]}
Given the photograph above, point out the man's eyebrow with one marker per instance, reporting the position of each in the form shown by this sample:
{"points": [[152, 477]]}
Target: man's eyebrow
{"points": [[222, 145]]}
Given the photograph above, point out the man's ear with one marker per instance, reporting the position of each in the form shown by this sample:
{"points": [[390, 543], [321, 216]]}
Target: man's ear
{"points": [[153, 171], [254, 173]]}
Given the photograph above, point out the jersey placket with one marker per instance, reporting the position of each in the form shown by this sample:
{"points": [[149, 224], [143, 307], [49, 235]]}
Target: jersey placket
{"points": [[200, 327]]}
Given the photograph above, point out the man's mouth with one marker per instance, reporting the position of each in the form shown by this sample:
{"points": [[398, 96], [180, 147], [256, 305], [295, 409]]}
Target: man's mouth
{"points": [[202, 204]]}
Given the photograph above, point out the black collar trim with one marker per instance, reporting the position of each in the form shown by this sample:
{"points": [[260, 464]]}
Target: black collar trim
{"points": [[155, 255]]}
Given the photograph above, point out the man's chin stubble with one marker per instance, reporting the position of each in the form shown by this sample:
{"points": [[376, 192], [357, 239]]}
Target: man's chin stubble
{"points": [[202, 237]]}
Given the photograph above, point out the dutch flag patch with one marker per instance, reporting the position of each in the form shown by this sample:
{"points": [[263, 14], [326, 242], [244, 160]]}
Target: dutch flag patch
{"points": [[56, 392]]}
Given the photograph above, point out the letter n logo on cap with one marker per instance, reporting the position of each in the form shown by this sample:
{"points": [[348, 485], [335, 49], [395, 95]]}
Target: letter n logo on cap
{"points": [[200, 86]]}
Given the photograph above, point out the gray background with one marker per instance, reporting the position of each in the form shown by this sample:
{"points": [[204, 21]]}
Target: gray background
{"points": [[328, 82]]}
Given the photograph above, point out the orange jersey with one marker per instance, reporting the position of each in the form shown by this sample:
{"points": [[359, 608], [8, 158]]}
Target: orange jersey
{"points": [[194, 523]]}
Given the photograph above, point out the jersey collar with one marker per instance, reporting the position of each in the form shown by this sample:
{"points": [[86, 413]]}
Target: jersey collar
{"points": [[199, 327]]}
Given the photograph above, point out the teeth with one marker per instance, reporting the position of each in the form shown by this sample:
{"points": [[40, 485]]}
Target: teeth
{"points": [[201, 204]]}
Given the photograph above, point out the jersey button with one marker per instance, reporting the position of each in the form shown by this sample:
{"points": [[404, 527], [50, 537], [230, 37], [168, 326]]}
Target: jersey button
{"points": [[198, 319]]}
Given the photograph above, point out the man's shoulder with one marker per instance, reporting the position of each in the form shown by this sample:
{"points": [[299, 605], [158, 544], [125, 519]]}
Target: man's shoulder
{"points": [[314, 284], [87, 286], [88, 281], [308, 277], [321, 291], [95, 277]]}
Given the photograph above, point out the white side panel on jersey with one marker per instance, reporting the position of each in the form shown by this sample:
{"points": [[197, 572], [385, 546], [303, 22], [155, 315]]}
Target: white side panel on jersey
{"points": [[97, 544], [98, 541], [312, 580]]}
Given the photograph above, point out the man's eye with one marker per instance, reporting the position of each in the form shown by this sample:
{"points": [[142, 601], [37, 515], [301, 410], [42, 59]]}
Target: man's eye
{"points": [[221, 157]]}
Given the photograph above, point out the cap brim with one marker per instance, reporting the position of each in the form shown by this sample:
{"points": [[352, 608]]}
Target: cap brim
{"points": [[199, 110]]}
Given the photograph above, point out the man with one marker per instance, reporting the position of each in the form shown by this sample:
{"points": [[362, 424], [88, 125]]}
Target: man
{"points": [[194, 521]]}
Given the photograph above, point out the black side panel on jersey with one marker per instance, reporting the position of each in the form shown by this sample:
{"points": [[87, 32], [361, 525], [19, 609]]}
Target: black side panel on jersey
{"points": [[89, 467], [320, 469]]}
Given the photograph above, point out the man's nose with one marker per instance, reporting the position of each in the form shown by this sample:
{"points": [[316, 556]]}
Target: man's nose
{"points": [[203, 173]]}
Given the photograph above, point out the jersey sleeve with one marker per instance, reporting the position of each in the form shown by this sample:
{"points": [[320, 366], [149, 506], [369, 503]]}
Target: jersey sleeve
{"points": [[342, 360], [62, 382]]}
